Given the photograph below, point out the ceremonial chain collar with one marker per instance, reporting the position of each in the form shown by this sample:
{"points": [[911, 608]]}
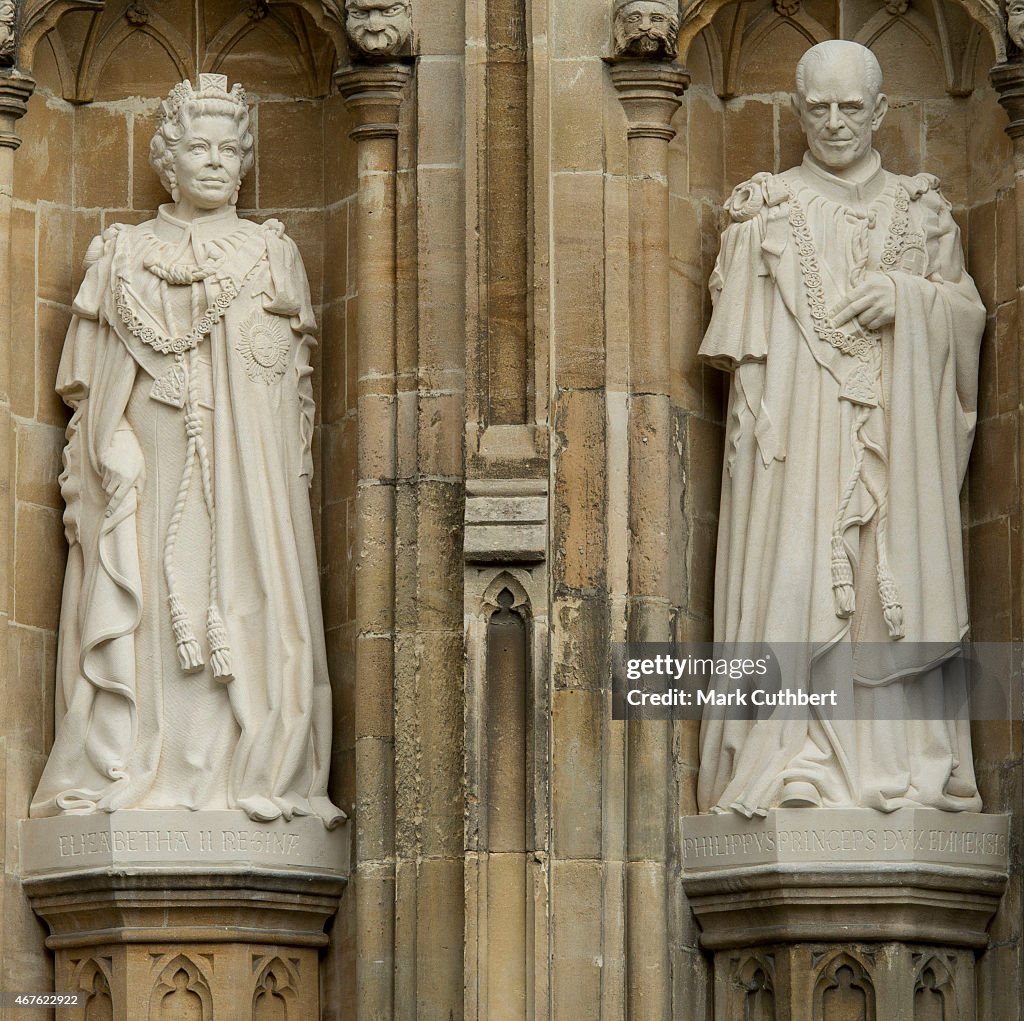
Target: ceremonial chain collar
{"points": [[191, 340], [859, 347], [203, 325]]}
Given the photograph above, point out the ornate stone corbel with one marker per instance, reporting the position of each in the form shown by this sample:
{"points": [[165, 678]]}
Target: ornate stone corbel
{"points": [[379, 29], [646, 29], [15, 89]]}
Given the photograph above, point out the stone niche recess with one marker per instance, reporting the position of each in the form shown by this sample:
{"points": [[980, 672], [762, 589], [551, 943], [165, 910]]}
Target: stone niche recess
{"points": [[100, 72], [944, 117]]}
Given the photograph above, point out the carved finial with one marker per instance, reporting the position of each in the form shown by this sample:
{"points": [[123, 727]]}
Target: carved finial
{"points": [[897, 7], [257, 10], [1015, 22], [787, 8], [647, 29], [8, 37], [378, 28]]}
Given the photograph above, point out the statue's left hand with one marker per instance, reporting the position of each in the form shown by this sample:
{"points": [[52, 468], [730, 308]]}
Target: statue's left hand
{"points": [[872, 303], [124, 466]]}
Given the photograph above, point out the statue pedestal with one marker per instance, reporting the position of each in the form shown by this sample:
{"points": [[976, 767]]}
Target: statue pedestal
{"points": [[811, 909], [185, 914]]}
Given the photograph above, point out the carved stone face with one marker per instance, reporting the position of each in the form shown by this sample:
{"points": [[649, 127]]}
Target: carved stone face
{"points": [[378, 27], [208, 164], [838, 112], [1015, 22], [7, 39], [646, 28]]}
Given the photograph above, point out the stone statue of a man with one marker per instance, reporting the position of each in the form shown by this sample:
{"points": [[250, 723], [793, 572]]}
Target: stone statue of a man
{"points": [[192, 671], [852, 331]]}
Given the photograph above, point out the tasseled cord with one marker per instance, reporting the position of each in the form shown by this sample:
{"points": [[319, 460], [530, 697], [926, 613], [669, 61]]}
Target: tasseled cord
{"points": [[189, 652], [220, 650], [841, 568], [842, 579]]}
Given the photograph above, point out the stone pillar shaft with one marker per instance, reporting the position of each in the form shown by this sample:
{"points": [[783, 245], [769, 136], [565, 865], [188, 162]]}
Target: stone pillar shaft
{"points": [[649, 93], [374, 96], [15, 90]]}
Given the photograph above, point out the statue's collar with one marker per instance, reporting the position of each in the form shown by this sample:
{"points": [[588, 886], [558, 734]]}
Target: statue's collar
{"points": [[853, 193], [204, 228]]}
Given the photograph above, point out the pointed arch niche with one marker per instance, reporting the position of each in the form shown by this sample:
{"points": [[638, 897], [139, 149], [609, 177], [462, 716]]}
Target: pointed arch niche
{"points": [[101, 68], [944, 118]]}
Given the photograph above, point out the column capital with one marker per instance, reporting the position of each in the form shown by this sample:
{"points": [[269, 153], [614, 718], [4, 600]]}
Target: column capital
{"points": [[650, 93], [373, 93], [1008, 81], [15, 90]]}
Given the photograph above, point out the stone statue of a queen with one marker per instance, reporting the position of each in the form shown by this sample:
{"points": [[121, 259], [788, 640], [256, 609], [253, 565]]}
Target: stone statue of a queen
{"points": [[191, 667], [852, 330]]}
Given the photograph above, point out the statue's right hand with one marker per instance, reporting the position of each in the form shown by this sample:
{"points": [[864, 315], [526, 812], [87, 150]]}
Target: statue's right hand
{"points": [[124, 466]]}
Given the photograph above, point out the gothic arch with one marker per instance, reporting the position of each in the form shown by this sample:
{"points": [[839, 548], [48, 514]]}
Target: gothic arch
{"points": [[98, 51], [934, 991], [520, 597], [181, 976], [843, 983], [40, 16], [274, 994], [985, 13], [293, 40]]}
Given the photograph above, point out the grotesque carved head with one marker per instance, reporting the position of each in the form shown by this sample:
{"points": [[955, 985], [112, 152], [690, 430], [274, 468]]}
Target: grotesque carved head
{"points": [[646, 28], [379, 28], [840, 103], [203, 143], [8, 14], [1015, 22]]}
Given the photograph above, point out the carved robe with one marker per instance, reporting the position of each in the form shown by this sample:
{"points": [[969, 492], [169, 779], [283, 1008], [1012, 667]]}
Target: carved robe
{"points": [[840, 521], [191, 663]]}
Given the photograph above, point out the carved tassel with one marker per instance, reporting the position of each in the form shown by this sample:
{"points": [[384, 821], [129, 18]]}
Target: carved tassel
{"points": [[892, 608], [220, 649], [189, 654], [842, 579]]}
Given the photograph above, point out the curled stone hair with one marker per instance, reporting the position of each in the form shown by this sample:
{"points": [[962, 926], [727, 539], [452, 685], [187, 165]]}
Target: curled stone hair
{"points": [[832, 50], [182, 105]]}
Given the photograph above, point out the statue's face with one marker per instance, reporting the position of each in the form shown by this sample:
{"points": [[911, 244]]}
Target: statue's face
{"points": [[838, 112], [646, 28], [208, 163], [378, 26], [1015, 22]]}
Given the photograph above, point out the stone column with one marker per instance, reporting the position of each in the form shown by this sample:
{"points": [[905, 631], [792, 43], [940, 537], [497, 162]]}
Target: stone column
{"points": [[15, 89], [1008, 80], [649, 92], [374, 96]]}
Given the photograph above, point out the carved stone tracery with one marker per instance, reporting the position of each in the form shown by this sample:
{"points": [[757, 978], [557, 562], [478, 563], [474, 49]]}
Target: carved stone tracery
{"points": [[844, 990], [181, 992]]}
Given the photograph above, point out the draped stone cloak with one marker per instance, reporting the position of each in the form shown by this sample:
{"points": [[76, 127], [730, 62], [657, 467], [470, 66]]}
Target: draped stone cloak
{"points": [[134, 727], [806, 422]]}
